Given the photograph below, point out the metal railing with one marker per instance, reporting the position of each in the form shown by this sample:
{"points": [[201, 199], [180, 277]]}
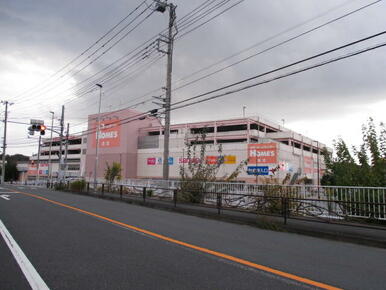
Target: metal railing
{"points": [[321, 202]]}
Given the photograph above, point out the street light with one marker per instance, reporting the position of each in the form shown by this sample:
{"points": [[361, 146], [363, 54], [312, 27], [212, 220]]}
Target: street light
{"points": [[97, 136], [49, 158]]}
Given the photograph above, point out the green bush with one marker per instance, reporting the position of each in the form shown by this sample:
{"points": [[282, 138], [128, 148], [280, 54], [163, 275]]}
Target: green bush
{"points": [[60, 186], [78, 185]]}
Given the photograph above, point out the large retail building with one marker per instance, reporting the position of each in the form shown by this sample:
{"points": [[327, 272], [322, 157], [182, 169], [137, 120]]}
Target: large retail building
{"points": [[267, 150]]}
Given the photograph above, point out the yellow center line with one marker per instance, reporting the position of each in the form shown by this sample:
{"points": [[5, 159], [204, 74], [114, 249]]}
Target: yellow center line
{"points": [[191, 246]]}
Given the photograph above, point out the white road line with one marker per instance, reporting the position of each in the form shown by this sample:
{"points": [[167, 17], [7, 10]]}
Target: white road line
{"points": [[35, 281], [5, 196]]}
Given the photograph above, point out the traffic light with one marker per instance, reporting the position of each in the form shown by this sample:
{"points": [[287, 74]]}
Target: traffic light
{"points": [[42, 129], [37, 125], [31, 131]]}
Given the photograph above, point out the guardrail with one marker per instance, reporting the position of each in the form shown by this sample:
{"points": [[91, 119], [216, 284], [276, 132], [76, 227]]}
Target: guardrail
{"points": [[326, 203]]}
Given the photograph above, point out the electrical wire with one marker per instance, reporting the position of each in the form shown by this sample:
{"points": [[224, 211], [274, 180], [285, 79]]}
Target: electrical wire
{"points": [[87, 49]]}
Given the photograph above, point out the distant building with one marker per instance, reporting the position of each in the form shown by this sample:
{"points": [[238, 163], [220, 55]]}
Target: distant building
{"points": [[271, 151], [74, 152]]}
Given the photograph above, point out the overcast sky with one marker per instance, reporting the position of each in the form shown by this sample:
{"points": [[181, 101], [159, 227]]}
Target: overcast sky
{"points": [[40, 37]]}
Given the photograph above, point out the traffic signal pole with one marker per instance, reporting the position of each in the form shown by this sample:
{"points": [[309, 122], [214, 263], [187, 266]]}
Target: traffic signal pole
{"points": [[38, 161]]}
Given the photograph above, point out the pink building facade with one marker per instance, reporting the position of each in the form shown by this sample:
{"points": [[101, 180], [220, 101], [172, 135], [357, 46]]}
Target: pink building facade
{"points": [[118, 138], [271, 151]]}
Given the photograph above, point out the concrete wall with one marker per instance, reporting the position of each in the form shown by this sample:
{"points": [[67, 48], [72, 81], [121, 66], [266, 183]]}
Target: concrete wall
{"points": [[291, 160]]}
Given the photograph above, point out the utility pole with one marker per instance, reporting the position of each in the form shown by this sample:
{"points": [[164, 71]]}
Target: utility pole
{"points": [[97, 137], [6, 103], [161, 7], [49, 158], [66, 149], [38, 161], [61, 144]]}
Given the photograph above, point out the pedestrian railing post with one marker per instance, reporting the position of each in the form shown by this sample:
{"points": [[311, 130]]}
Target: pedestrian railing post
{"points": [[120, 190], [175, 197], [284, 204], [219, 202], [103, 188], [144, 194], [88, 187]]}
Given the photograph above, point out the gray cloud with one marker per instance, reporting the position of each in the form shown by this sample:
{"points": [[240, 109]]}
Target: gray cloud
{"points": [[51, 33]]}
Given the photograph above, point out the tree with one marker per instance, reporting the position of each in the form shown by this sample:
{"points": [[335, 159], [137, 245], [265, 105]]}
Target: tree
{"points": [[368, 165], [11, 172], [112, 173], [201, 168]]}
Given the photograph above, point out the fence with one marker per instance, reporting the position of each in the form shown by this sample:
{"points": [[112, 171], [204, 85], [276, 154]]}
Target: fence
{"points": [[301, 201]]}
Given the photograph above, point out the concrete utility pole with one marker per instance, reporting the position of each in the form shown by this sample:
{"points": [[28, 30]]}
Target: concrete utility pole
{"points": [[97, 136], [49, 158], [6, 103], [60, 176], [161, 7], [66, 149]]}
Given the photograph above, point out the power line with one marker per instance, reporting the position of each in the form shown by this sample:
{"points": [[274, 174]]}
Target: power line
{"points": [[278, 77], [184, 20], [278, 44], [286, 66], [175, 107], [69, 74], [268, 49], [87, 49]]}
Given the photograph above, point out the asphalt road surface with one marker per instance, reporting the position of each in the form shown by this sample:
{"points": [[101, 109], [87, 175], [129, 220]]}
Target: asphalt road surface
{"points": [[61, 240]]}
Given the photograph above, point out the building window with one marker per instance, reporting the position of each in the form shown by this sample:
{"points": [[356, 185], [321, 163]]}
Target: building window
{"points": [[202, 142], [202, 130], [74, 141], [257, 127], [154, 133], [73, 166], [84, 151], [231, 128], [284, 142], [232, 141]]}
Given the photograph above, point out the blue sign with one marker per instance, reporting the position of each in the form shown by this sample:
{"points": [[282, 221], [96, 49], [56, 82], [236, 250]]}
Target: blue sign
{"points": [[258, 170], [170, 161]]}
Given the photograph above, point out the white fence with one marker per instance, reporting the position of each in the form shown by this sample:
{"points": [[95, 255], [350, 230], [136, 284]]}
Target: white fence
{"points": [[321, 201]]}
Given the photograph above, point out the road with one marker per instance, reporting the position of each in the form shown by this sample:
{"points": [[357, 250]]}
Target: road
{"points": [[80, 242]]}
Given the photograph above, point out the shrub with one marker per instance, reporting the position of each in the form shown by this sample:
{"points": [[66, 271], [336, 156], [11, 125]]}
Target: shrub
{"points": [[78, 185]]}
